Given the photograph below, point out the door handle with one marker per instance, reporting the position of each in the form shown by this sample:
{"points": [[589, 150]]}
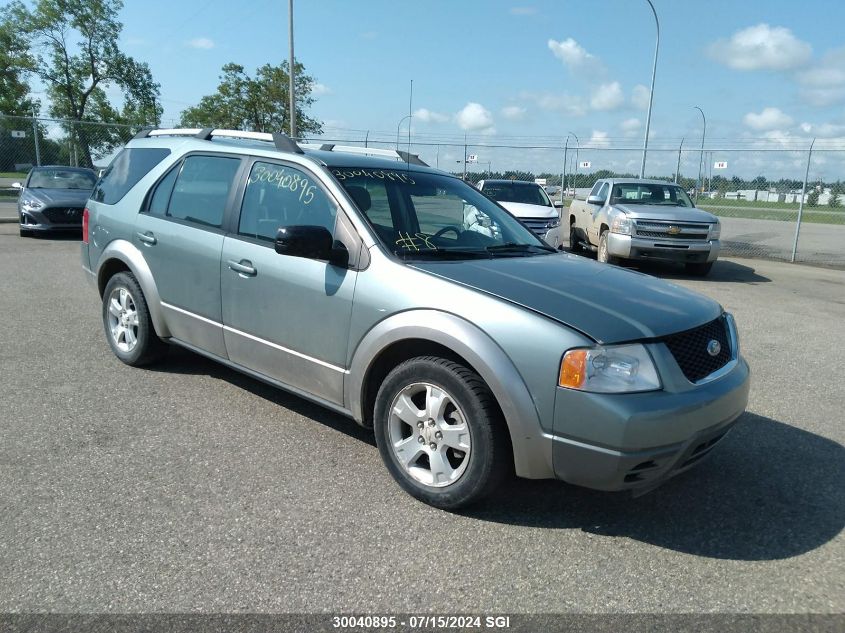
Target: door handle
{"points": [[243, 267], [147, 238]]}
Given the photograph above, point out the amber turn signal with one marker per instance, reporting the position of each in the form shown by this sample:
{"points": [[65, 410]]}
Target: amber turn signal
{"points": [[573, 369]]}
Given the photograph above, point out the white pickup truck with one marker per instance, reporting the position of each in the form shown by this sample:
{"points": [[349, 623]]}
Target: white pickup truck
{"points": [[625, 218]]}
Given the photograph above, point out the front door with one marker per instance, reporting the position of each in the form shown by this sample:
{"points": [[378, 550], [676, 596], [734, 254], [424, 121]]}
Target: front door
{"points": [[286, 317], [180, 233]]}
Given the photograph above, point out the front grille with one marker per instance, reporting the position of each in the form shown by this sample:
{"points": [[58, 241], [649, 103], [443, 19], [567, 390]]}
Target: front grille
{"points": [[690, 349], [656, 229], [537, 225], [64, 215]]}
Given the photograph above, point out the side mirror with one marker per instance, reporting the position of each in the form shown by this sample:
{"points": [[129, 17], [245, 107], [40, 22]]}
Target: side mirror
{"points": [[311, 242], [558, 203], [595, 200], [17, 185]]}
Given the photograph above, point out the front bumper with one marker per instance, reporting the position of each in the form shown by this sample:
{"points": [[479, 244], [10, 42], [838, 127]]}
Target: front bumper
{"points": [[628, 441], [687, 251], [39, 220]]}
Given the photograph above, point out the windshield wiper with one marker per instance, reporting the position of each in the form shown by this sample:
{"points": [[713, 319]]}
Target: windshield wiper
{"points": [[456, 253], [513, 247]]}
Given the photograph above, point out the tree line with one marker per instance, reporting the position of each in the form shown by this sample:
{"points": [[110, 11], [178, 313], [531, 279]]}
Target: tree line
{"points": [[72, 48]]}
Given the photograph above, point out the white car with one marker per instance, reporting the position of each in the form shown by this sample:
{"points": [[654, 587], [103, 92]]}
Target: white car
{"points": [[529, 202]]}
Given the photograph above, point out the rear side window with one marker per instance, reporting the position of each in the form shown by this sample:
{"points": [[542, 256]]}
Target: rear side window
{"points": [[125, 171], [202, 188]]}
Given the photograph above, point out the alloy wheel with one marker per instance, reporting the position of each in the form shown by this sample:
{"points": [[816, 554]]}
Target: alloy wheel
{"points": [[123, 319]]}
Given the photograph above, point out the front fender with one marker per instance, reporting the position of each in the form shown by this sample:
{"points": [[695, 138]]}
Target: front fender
{"points": [[129, 254], [532, 454]]}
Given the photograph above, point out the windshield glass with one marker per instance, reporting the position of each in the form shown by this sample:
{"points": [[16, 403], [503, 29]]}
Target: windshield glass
{"points": [[639, 193], [417, 214], [515, 191], [61, 179]]}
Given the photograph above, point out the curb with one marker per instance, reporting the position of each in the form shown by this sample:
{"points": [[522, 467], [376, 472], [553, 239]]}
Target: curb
{"points": [[8, 220]]}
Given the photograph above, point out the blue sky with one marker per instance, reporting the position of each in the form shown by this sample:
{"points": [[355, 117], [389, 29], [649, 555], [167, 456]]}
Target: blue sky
{"points": [[496, 70]]}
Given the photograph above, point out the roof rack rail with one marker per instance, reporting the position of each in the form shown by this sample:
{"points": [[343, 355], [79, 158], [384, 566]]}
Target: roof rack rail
{"points": [[282, 142], [397, 155]]}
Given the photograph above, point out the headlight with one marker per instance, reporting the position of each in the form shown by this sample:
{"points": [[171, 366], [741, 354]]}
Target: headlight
{"points": [[31, 204], [715, 231], [612, 369], [621, 224], [553, 224]]}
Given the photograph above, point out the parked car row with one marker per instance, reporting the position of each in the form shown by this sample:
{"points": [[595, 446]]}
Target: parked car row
{"points": [[413, 303]]}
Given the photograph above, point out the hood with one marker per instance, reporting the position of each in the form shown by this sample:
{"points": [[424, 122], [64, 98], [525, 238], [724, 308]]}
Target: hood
{"points": [[60, 197], [607, 303], [664, 212], [522, 210]]}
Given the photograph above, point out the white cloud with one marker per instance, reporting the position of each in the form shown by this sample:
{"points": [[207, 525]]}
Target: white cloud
{"points": [[824, 130], [318, 89], [514, 113], [824, 81], [639, 97], [571, 105], [631, 126], [474, 117], [572, 54], [761, 47], [201, 42], [429, 116], [607, 97], [599, 139], [523, 11], [768, 119], [368, 35]]}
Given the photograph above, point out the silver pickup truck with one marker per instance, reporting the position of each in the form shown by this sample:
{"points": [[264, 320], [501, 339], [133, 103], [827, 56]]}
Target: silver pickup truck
{"points": [[624, 218]]}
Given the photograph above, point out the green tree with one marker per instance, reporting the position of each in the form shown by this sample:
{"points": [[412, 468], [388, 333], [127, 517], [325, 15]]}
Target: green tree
{"points": [[76, 55], [259, 104], [835, 200], [813, 198], [15, 61]]}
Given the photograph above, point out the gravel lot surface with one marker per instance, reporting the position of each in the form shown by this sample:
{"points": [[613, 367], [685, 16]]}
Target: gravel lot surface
{"points": [[189, 487]]}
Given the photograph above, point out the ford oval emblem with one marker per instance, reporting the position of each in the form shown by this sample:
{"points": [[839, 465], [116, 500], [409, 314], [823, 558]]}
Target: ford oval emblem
{"points": [[714, 347]]}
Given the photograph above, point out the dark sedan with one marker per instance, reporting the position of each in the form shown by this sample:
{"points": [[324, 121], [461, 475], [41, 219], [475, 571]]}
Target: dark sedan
{"points": [[52, 198]]}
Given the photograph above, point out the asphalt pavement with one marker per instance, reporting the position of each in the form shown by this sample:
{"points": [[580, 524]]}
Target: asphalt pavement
{"points": [[188, 487]]}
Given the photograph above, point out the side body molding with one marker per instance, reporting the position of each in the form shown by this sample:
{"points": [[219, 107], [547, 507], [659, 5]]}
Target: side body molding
{"points": [[129, 254], [532, 453]]}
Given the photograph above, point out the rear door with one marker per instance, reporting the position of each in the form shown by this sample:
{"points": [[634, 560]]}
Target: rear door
{"points": [[287, 317], [180, 231]]}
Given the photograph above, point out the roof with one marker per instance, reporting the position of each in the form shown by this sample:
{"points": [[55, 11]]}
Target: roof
{"points": [[508, 181], [64, 167]]}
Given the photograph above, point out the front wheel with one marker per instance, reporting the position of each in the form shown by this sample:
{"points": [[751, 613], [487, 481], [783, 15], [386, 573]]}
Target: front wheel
{"points": [[440, 432], [574, 242], [699, 270], [126, 319], [604, 255]]}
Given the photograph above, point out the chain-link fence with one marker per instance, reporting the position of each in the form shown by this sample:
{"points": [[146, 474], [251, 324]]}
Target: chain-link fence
{"points": [[756, 189]]}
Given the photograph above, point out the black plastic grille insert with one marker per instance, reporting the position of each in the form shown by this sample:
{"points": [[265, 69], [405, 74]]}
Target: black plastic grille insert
{"points": [[690, 349]]}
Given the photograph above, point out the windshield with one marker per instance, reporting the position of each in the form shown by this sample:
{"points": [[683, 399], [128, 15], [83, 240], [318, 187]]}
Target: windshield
{"points": [[61, 179], [515, 191], [418, 214], [639, 193]]}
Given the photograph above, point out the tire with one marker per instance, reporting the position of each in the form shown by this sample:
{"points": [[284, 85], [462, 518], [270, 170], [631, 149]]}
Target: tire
{"points": [[699, 270], [434, 395], [603, 255], [574, 242], [127, 323]]}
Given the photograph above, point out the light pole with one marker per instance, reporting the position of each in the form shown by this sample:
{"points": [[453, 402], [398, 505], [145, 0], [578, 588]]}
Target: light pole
{"points": [[651, 92], [292, 71], [407, 116], [801, 203], [563, 175], [678, 168], [701, 155]]}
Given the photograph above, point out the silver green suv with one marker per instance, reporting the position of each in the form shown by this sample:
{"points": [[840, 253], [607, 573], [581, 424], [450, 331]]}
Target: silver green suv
{"points": [[405, 299]]}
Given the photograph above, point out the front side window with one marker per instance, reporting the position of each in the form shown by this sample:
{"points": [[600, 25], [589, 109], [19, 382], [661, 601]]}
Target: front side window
{"points": [[279, 195], [202, 188], [125, 171], [421, 214]]}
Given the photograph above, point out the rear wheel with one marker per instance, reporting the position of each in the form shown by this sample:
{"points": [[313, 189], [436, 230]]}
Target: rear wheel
{"points": [[604, 255], [699, 270], [440, 433], [126, 319]]}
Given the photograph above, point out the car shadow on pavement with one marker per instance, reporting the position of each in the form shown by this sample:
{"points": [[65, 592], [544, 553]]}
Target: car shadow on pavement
{"points": [[771, 491], [723, 271], [182, 361]]}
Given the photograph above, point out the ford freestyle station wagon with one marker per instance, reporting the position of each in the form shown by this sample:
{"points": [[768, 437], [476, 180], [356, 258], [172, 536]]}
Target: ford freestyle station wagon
{"points": [[405, 299]]}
